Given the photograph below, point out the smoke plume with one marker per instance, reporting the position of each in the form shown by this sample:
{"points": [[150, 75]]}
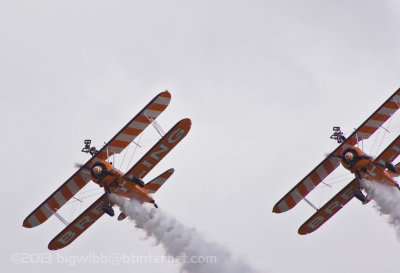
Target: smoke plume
{"points": [[181, 241], [387, 202]]}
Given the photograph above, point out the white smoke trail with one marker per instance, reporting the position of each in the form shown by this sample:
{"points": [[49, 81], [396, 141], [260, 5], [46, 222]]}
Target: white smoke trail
{"points": [[180, 241], [387, 202]]}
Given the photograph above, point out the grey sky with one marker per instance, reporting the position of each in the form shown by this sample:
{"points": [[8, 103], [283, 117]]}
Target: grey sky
{"points": [[262, 81]]}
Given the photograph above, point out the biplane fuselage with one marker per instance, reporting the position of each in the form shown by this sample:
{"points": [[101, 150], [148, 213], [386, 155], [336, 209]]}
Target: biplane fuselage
{"points": [[106, 176], [363, 166]]}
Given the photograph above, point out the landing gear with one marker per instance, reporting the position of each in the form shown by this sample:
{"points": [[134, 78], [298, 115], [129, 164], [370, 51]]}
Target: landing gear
{"points": [[138, 181], [390, 167], [360, 196], [108, 209], [154, 203], [358, 193]]}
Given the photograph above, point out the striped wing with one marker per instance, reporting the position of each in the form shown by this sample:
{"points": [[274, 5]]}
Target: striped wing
{"points": [[328, 165], [134, 127], [306, 185], [160, 150], [329, 209], [119, 142], [157, 182], [79, 225]]}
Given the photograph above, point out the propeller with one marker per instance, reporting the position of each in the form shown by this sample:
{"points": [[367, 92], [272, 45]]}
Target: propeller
{"points": [[335, 156], [78, 165]]}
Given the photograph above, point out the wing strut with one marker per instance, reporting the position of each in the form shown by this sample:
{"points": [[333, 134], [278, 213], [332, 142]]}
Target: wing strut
{"points": [[65, 222], [156, 126], [311, 204]]}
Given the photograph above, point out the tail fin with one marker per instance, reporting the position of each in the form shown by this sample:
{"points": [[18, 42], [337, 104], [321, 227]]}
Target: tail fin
{"points": [[157, 182]]}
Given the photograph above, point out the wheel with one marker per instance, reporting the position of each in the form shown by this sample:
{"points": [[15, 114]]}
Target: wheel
{"points": [[138, 181], [390, 167], [360, 196], [109, 210]]}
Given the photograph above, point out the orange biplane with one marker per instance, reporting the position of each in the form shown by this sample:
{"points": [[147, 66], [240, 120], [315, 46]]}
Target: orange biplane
{"points": [[99, 170], [378, 170]]}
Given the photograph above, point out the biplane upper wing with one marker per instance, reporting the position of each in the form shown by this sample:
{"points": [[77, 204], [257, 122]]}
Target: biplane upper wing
{"points": [[329, 209], [160, 149], [79, 225], [80, 178], [329, 164], [134, 127]]}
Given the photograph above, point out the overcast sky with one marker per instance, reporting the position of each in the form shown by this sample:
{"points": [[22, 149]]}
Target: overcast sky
{"points": [[262, 81]]}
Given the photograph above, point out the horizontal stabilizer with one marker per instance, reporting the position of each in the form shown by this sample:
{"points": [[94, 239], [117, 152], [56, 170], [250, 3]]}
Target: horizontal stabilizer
{"points": [[157, 182], [121, 216]]}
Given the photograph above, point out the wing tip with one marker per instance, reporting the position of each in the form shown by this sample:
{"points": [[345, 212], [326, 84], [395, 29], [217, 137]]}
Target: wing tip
{"points": [[165, 94], [26, 224], [302, 232], [276, 209], [53, 247]]}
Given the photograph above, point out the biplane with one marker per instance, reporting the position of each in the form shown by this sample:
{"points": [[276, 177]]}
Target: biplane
{"points": [[376, 170], [101, 171]]}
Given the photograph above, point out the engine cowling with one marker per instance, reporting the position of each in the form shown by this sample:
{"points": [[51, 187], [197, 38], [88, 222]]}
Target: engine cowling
{"points": [[99, 170], [350, 157]]}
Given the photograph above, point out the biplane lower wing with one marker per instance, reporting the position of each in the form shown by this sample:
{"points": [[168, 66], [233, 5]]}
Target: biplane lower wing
{"points": [[329, 209], [119, 142], [79, 225], [157, 182], [160, 149], [390, 153], [366, 129]]}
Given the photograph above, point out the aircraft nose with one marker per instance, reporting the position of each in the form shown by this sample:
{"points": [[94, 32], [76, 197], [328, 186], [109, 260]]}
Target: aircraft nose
{"points": [[97, 170], [349, 156]]}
